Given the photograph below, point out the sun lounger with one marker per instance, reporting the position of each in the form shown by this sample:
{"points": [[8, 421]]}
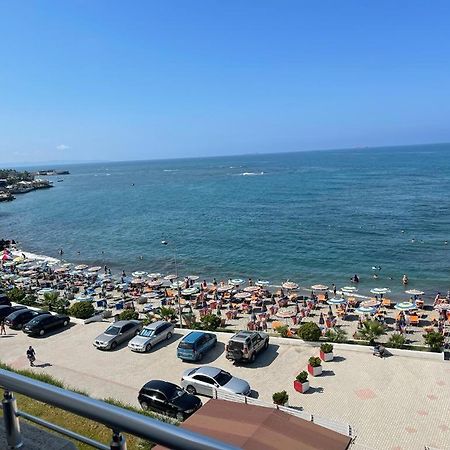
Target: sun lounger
{"points": [[414, 320], [387, 303]]}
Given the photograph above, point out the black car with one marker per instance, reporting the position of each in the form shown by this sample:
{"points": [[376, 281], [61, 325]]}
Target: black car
{"points": [[168, 399], [17, 319], [45, 323], [6, 310], [4, 300]]}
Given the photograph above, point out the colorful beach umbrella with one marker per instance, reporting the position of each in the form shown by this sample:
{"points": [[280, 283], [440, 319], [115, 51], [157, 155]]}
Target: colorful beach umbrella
{"points": [[365, 310], [336, 301], [405, 306], [252, 288]]}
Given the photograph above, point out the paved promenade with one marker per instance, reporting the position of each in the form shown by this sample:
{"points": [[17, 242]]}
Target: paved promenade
{"points": [[398, 403]]}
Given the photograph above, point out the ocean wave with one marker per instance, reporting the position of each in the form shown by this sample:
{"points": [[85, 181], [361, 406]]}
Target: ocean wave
{"points": [[171, 170], [251, 174]]}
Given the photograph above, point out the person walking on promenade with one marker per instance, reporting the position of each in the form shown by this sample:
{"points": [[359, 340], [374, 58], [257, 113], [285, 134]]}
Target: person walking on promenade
{"points": [[31, 355], [2, 327]]}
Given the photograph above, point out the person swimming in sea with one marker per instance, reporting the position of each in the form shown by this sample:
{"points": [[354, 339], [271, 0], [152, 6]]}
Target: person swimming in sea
{"points": [[405, 280]]}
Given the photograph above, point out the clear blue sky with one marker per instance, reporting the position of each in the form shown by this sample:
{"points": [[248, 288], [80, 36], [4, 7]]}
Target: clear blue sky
{"points": [[95, 80]]}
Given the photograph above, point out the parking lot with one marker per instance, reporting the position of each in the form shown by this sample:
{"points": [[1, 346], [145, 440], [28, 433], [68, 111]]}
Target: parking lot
{"points": [[394, 403]]}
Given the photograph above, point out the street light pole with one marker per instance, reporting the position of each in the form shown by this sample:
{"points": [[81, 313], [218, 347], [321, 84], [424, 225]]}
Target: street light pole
{"points": [[178, 283]]}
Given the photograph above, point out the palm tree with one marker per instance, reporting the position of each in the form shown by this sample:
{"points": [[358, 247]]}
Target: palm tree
{"points": [[371, 330]]}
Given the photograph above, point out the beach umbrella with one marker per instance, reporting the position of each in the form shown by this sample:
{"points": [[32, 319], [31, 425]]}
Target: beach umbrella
{"points": [[84, 298], [405, 306], [189, 291], [349, 289], [442, 307], [61, 270], [252, 288], [94, 269], [262, 283], [193, 277], [365, 310], [285, 313], [139, 274], [154, 275], [336, 301], [177, 284], [154, 283], [378, 291], [414, 292], [137, 281], [170, 277], [370, 304], [151, 295], [242, 295], [224, 288], [237, 281], [290, 285], [319, 287], [81, 267]]}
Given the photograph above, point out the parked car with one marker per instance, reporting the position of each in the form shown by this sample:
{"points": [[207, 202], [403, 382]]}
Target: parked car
{"points": [[204, 380], [6, 310], [245, 345], [168, 399], [17, 319], [118, 332], [195, 344], [44, 323], [4, 300], [150, 335]]}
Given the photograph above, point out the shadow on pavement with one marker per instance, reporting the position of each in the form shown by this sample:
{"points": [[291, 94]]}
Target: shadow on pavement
{"points": [[265, 358]]}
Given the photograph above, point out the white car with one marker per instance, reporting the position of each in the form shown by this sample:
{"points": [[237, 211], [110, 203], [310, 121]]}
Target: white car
{"points": [[151, 335]]}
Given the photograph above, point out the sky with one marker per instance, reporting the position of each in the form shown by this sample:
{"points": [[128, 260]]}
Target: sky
{"points": [[88, 80]]}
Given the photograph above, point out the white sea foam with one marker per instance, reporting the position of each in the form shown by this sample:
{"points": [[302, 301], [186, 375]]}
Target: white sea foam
{"points": [[251, 174], [170, 170]]}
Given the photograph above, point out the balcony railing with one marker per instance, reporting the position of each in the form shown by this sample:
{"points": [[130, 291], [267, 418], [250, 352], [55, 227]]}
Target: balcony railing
{"points": [[117, 419]]}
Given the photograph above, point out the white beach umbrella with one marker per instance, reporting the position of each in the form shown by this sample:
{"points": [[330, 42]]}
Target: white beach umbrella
{"points": [[405, 306], [378, 291], [364, 310], [154, 275], [154, 283], [414, 292], [262, 283], [225, 288], [242, 295], [139, 274], [370, 303], [336, 301], [237, 281], [319, 287], [290, 285], [81, 267], [94, 269], [252, 288], [442, 307], [350, 289], [170, 277], [193, 277], [189, 291], [177, 284]]}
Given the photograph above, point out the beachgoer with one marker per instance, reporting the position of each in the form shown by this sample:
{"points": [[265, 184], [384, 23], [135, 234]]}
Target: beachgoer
{"points": [[2, 327], [31, 355], [61, 251], [334, 288], [405, 279]]}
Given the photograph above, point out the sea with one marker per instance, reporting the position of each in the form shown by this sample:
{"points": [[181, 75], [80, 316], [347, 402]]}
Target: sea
{"points": [[310, 217]]}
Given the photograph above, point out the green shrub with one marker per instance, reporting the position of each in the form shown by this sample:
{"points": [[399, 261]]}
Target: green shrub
{"points": [[15, 295], [283, 330], [302, 377], [210, 322], [167, 313], [434, 340], [314, 361], [396, 340], [326, 347], [29, 300], [309, 331], [336, 334], [371, 330], [280, 398], [129, 314], [54, 303], [82, 310]]}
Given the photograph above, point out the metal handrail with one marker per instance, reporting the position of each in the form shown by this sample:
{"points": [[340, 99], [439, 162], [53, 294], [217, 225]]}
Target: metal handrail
{"points": [[115, 418]]}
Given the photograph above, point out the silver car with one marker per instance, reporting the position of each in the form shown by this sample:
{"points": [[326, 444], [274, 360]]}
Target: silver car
{"points": [[205, 380], [116, 333], [150, 335]]}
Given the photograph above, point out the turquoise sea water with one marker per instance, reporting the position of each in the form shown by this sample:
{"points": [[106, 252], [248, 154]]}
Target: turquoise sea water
{"points": [[312, 217]]}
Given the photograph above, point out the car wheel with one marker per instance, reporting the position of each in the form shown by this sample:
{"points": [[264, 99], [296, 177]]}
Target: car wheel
{"points": [[148, 347], [253, 357], [19, 327], [41, 333], [200, 356], [113, 345], [169, 336], [179, 416], [144, 406], [65, 323], [191, 390]]}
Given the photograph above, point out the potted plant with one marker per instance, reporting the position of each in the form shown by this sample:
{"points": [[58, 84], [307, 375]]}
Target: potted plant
{"points": [[326, 352], [315, 366], [301, 383], [280, 398]]}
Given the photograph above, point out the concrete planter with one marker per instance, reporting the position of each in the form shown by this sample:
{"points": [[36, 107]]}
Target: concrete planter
{"points": [[326, 356], [301, 387], [314, 371]]}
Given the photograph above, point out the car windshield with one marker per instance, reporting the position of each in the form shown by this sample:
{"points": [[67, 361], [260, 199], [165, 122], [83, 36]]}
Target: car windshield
{"points": [[186, 345], [223, 377], [146, 332], [33, 321], [178, 392], [114, 331]]}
